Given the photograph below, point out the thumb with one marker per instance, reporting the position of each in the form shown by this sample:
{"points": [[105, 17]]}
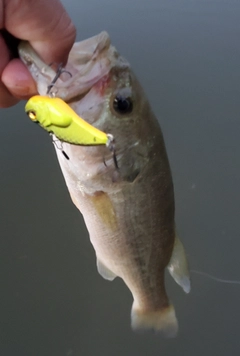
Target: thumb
{"points": [[44, 23]]}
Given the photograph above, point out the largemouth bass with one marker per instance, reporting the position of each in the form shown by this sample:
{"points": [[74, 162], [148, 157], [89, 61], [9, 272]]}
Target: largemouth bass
{"points": [[128, 208]]}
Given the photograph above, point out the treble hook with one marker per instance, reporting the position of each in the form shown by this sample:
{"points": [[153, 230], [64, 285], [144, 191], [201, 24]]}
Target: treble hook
{"points": [[111, 145], [58, 144], [59, 72]]}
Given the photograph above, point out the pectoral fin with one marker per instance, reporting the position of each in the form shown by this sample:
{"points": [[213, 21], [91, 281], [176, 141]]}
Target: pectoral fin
{"points": [[178, 266], [105, 272]]}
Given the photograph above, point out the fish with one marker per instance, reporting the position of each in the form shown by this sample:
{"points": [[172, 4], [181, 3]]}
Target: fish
{"points": [[129, 208]]}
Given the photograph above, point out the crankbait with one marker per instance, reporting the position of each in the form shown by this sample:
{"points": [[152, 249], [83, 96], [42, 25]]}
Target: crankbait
{"points": [[58, 118]]}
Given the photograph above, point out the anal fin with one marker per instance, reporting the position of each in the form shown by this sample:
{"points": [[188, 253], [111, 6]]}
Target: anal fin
{"points": [[178, 266], [104, 271]]}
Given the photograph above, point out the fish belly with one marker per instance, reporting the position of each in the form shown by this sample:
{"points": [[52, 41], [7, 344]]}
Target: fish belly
{"points": [[133, 241]]}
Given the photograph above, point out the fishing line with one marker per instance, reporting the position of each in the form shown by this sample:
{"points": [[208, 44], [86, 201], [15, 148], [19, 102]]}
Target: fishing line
{"points": [[216, 279]]}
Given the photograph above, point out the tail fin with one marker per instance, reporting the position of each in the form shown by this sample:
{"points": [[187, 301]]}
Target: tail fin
{"points": [[163, 320]]}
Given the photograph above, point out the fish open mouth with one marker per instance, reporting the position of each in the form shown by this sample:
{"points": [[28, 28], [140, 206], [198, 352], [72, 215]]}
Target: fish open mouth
{"points": [[90, 61], [83, 82]]}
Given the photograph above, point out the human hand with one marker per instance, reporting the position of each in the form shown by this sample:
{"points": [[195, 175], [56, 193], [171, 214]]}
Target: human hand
{"points": [[47, 26]]}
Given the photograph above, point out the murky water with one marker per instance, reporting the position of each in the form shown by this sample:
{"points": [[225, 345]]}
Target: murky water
{"points": [[52, 300]]}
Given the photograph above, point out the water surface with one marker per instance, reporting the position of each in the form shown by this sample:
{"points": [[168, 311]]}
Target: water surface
{"points": [[52, 301]]}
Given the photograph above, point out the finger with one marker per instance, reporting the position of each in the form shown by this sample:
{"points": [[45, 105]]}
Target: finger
{"points": [[18, 80], [6, 99], [45, 24]]}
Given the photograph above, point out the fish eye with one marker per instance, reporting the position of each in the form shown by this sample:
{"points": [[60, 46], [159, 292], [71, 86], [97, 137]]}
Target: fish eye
{"points": [[32, 115], [123, 105]]}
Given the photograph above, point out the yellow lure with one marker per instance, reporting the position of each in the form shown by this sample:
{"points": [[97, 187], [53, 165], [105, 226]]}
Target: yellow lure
{"points": [[57, 117]]}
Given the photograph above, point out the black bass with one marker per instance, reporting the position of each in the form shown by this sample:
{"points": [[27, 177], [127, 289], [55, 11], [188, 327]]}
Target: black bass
{"points": [[129, 207]]}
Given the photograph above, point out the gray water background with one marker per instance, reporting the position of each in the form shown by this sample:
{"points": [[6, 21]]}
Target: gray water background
{"points": [[52, 300]]}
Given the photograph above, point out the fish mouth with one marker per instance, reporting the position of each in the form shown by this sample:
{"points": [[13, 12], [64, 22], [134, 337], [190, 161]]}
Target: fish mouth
{"points": [[99, 83], [89, 62]]}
